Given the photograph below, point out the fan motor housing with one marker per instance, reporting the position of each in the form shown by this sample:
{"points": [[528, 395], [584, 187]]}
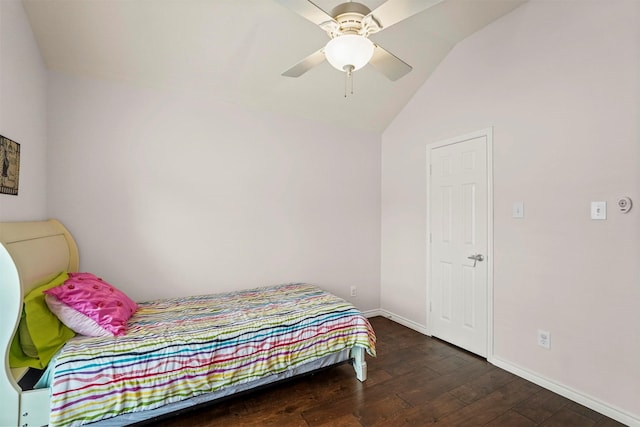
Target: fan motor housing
{"points": [[349, 16]]}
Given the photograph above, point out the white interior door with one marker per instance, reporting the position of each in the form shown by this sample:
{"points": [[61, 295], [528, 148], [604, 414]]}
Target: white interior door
{"points": [[458, 213]]}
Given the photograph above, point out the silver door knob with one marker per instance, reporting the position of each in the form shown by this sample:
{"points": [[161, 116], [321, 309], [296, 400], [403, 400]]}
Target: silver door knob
{"points": [[476, 258]]}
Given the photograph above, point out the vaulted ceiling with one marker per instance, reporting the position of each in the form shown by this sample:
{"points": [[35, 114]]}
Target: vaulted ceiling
{"points": [[236, 50]]}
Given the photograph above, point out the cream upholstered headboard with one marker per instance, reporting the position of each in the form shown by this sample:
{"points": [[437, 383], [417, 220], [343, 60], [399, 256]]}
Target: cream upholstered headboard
{"points": [[39, 249], [31, 253]]}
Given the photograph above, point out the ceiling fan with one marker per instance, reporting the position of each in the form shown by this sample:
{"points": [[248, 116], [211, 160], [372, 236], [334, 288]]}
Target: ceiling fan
{"points": [[349, 26]]}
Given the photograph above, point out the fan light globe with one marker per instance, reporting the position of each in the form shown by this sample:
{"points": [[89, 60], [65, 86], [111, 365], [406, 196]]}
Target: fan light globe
{"points": [[348, 51]]}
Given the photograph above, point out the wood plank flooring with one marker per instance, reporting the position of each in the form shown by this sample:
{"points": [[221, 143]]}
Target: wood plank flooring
{"points": [[414, 381]]}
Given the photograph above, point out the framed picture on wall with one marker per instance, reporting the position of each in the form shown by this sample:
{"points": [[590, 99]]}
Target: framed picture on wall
{"points": [[9, 166]]}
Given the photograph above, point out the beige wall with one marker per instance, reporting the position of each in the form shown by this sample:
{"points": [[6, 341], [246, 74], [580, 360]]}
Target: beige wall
{"points": [[559, 81], [169, 194], [154, 184], [23, 115]]}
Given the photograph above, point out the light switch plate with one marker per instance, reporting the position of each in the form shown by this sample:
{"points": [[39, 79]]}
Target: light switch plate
{"points": [[518, 210], [598, 210]]}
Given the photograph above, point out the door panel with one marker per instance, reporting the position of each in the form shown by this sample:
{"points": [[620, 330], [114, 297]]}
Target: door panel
{"points": [[458, 213]]}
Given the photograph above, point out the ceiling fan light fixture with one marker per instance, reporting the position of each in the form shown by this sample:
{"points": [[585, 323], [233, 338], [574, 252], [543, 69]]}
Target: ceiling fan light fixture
{"points": [[349, 52]]}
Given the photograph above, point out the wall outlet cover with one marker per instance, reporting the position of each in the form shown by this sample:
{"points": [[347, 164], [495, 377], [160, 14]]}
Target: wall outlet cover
{"points": [[544, 339]]}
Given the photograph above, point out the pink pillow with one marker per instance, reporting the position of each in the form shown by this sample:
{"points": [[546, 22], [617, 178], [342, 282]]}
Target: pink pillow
{"points": [[101, 302], [74, 320]]}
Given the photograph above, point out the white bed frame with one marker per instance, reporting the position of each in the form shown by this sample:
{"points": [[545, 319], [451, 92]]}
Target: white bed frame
{"points": [[31, 254]]}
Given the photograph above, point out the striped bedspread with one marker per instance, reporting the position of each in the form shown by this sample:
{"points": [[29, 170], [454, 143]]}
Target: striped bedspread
{"points": [[178, 348]]}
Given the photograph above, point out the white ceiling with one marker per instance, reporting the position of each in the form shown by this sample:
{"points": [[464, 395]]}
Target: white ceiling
{"points": [[236, 50]]}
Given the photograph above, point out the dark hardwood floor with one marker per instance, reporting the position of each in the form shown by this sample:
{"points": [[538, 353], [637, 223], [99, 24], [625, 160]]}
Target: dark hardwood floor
{"points": [[414, 381]]}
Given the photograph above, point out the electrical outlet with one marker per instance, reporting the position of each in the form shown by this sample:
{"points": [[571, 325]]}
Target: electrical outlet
{"points": [[544, 339], [354, 291]]}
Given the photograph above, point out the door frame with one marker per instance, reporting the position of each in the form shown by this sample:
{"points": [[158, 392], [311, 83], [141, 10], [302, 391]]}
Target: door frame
{"points": [[488, 134]]}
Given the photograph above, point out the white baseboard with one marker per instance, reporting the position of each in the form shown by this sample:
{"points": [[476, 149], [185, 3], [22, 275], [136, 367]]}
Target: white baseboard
{"points": [[581, 398], [372, 313], [399, 319]]}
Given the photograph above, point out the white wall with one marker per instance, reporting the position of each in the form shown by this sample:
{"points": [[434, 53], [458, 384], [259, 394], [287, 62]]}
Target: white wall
{"points": [[169, 194], [559, 82], [23, 114]]}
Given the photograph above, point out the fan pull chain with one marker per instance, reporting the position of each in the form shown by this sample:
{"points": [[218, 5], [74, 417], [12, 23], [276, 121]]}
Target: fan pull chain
{"points": [[351, 78], [348, 78]]}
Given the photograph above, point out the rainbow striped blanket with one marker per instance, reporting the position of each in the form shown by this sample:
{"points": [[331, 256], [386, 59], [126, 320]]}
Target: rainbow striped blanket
{"points": [[182, 347]]}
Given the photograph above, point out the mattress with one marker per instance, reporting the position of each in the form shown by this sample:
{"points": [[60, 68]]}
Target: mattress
{"points": [[179, 348]]}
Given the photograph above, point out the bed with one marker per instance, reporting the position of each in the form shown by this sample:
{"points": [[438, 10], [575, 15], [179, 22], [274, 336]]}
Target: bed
{"points": [[176, 353]]}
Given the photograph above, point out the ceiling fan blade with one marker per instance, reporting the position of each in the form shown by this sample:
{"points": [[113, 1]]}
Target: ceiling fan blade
{"points": [[306, 64], [389, 64], [393, 11], [310, 11]]}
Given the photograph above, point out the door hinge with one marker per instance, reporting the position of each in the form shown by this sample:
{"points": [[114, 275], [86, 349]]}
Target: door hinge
{"points": [[430, 169], [430, 306], [430, 238]]}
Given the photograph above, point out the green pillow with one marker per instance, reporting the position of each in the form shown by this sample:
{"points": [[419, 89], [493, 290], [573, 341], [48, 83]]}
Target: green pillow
{"points": [[40, 333], [26, 343]]}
